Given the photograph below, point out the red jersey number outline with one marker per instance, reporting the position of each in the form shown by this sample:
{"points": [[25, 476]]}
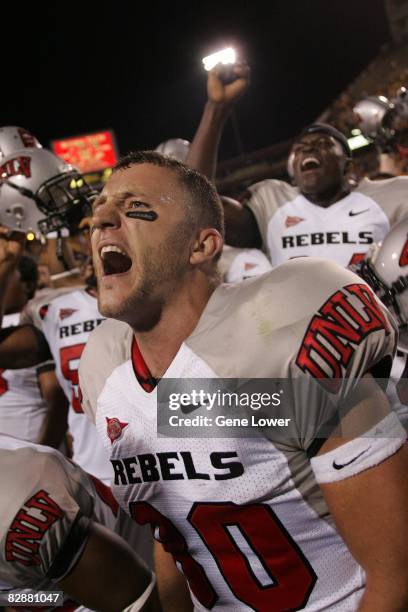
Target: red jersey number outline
{"points": [[292, 578], [68, 354], [3, 383]]}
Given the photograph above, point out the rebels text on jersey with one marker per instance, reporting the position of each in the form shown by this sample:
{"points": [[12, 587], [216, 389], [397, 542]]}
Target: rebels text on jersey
{"points": [[66, 322], [212, 500], [292, 226]]}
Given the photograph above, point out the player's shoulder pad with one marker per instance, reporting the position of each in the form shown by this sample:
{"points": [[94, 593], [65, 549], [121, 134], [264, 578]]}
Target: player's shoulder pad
{"points": [[40, 482], [286, 298], [274, 185], [27, 467], [299, 287], [108, 347], [383, 188], [36, 310]]}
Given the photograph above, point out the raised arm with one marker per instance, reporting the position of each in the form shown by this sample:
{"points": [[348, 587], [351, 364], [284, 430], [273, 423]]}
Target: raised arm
{"points": [[221, 99], [240, 224]]}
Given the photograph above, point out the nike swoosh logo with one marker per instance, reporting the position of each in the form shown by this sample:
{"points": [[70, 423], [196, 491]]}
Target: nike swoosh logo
{"points": [[340, 466], [358, 212]]}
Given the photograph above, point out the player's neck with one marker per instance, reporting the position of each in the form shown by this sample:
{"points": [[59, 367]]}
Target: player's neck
{"points": [[329, 197], [179, 318]]}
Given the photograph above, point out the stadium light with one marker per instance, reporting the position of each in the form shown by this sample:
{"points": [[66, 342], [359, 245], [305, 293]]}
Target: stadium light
{"points": [[226, 56]]}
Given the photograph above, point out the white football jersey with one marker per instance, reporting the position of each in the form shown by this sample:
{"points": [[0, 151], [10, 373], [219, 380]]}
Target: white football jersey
{"points": [[22, 407], [237, 265], [46, 504], [292, 226], [244, 516], [397, 391], [66, 322]]}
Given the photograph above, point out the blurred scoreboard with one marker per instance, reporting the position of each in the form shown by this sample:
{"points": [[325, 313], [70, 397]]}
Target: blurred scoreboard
{"points": [[89, 152]]}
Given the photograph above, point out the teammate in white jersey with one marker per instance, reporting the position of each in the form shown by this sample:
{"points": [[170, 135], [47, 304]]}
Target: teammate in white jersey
{"points": [[239, 264], [59, 530], [58, 331], [66, 322], [253, 523], [32, 405], [316, 216]]}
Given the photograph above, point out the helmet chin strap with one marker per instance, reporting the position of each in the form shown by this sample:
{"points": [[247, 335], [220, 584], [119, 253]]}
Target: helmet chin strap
{"points": [[23, 190], [59, 251]]}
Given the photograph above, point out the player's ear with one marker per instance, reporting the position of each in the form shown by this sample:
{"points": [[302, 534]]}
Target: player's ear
{"points": [[348, 165], [290, 168], [207, 245]]}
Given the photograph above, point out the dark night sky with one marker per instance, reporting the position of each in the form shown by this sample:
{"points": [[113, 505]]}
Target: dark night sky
{"points": [[135, 66]]}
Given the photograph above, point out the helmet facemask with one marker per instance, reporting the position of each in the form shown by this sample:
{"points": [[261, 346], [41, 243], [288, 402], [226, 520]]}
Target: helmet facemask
{"points": [[394, 296], [65, 200]]}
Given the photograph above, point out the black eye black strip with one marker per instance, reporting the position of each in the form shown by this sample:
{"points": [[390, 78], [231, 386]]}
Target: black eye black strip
{"points": [[144, 215]]}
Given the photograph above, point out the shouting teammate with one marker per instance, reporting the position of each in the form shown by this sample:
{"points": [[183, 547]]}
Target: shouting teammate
{"points": [[64, 322], [273, 522], [318, 215]]}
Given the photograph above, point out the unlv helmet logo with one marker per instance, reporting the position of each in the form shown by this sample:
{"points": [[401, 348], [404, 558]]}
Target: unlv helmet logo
{"points": [[17, 166], [114, 428], [403, 260]]}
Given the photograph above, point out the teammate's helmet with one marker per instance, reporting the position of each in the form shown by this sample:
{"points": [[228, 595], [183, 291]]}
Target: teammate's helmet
{"points": [[175, 147], [371, 114], [13, 138], [386, 270], [39, 191]]}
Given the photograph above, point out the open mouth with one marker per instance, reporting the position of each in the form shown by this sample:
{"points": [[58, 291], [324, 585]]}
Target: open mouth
{"points": [[114, 260], [310, 163]]}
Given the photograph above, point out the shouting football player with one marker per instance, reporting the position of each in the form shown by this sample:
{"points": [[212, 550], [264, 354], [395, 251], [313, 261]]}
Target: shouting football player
{"points": [[318, 215], [279, 521]]}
